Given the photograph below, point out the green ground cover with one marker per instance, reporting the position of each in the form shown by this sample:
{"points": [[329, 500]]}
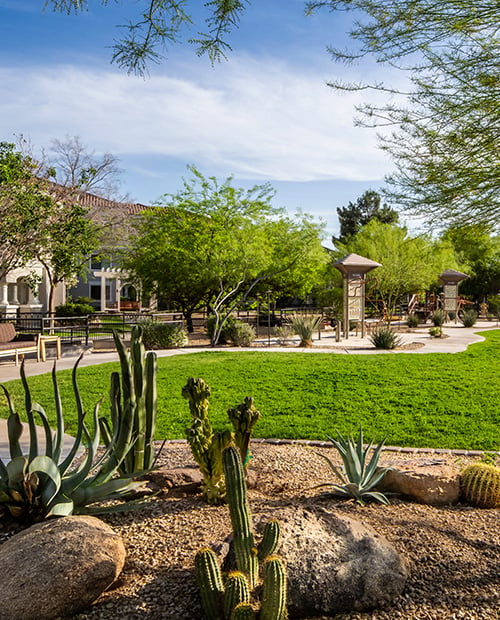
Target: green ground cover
{"points": [[436, 400]]}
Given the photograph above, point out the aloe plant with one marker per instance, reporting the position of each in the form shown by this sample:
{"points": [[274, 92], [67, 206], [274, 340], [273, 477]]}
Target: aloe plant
{"points": [[45, 483], [305, 325], [358, 476]]}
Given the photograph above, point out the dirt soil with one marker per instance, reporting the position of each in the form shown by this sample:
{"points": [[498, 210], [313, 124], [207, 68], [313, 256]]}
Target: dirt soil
{"points": [[454, 552]]}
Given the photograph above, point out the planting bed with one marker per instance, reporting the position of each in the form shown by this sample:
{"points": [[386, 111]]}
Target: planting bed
{"points": [[454, 552]]}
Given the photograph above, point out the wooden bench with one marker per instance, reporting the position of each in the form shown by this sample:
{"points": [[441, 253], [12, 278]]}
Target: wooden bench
{"points": [[9, 346]]}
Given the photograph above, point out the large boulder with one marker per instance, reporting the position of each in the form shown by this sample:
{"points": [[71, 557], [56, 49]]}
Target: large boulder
{"points": [[58, 568], [426, 482], [336, 564]]}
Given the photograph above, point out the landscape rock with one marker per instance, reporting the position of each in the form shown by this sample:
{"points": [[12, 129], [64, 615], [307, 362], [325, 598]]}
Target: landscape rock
{"points": [[425, 482], [57, 568], [336, 564]]}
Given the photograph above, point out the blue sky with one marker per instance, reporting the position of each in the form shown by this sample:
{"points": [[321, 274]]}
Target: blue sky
{"points": [[265, 115]]}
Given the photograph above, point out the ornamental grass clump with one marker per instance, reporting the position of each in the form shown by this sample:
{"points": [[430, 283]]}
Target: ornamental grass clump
{"points": [[385, 338], [413, 321], [469, 318], [304, 325], [358, 476], [438, 317]]}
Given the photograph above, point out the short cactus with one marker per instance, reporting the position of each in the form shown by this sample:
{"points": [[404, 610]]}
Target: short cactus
{"points": [[238, 601], [480, 485], [273, 590]]}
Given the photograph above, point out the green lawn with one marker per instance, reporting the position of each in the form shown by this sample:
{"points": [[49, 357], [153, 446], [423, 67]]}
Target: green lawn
{"points": [[422, 400]]}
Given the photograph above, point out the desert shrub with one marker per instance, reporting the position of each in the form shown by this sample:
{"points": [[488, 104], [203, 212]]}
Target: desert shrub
{"points": [[469, 318], [385, 338], [163, 335], [413, 320], [225, 334], [283, 334], [435, 332], [242, 334], [438, 318]]}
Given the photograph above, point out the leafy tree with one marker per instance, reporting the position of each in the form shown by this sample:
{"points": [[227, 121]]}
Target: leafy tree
{"points": [[66, 239], [478, 252], [409, 264], [356, 215], [214, 244], [24, 207], [161, 22], [445, 141]]}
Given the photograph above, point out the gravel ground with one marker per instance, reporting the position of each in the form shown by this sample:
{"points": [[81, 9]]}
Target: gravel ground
{"points": [[454, 552]]}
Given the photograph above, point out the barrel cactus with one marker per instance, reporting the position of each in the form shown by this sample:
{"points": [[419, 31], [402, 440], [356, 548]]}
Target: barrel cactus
{"points": [[480, 485]]}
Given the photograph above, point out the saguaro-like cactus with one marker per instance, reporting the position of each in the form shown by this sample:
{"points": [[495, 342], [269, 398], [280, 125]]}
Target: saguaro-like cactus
{"points": [[239, 600], [133, 407], [480, 485]]}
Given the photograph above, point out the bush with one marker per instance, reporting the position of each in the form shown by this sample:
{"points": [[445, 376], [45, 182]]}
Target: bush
{"points": [[242, 334], [385, 338], [469, 318], [436, 332], [225, 334], [413, 320], [163, 335], [438, 318], [80, 307]]}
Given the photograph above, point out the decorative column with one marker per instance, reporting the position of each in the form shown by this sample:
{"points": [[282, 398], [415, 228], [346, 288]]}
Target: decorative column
{"points": [[451, 279], [5, 305], [354, 269]]}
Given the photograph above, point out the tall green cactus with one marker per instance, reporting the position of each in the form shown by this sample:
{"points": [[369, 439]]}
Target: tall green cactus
{"points": [[239, 598], [133, 407], [480, 485]]}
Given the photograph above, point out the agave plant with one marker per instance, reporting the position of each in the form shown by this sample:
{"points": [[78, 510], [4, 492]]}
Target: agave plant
{"points": [[358, 476], [45, 483]]}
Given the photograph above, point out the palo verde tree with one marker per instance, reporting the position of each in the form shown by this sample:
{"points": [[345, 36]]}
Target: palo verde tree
{"points": [[446, 119], [409, 264], [356, 215], [214, 244]]}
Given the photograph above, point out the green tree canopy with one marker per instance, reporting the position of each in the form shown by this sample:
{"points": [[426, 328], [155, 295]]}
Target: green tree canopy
{"points": [[356, 215], [213, 244], [478, 252], [446, 119], [24, 207], [409, 264]]}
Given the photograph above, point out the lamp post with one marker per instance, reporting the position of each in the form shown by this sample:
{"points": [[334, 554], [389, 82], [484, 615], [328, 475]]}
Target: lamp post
{"points": [[268, 293]]}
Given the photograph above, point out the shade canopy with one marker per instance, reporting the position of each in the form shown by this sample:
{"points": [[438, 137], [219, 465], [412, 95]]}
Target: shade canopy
{"points": [[451, 275], [354, 263]]}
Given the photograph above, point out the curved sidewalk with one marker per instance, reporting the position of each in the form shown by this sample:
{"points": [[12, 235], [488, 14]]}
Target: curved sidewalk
{"points": [[457, 340]]}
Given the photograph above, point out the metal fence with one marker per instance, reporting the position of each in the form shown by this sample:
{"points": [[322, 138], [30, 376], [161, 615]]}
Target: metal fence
{"points": [[90, 327]]}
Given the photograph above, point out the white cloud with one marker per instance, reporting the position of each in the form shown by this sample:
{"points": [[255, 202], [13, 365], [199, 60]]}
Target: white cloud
{"points": [[252, 119]]}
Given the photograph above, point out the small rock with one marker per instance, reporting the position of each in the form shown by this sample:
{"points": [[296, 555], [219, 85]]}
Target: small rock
{"points": [[58, 567]]}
